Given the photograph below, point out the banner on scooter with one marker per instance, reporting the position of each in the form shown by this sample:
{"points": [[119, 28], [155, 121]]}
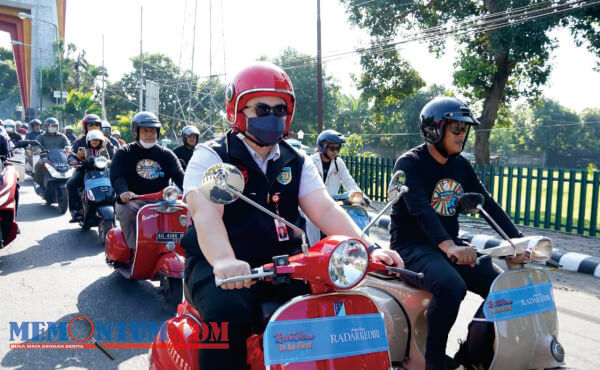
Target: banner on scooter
{"points": [[518, 302], [98, 182], [290, 341]]}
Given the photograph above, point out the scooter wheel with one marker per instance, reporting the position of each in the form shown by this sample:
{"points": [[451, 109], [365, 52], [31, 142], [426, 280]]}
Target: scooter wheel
{"points": [[103, 228], [171, 289]]}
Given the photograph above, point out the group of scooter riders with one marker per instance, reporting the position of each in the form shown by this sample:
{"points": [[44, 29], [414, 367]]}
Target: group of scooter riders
{"points": [[225, 241]]}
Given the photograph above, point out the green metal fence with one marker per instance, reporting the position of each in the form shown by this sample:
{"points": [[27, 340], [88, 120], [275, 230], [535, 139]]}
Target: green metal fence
{"points": [[558, 199]]}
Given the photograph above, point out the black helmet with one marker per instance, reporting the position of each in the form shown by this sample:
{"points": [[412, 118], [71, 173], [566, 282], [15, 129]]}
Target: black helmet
{"points": [[329, 136], [144, 119], [436, 114], [35, 122], [190, 130]]}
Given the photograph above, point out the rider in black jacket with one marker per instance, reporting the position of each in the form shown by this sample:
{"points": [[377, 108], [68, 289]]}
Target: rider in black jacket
{"points": [[190, 136]]}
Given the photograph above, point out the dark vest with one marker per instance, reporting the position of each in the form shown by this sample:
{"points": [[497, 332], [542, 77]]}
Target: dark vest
{"points": [[251, 232]]}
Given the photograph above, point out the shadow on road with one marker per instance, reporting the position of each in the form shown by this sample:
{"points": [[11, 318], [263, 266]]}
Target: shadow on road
{"points": [[63, 246], [131, 307]]}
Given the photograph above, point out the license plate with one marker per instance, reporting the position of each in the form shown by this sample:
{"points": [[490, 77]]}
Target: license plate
{"points": [[165, 237]]}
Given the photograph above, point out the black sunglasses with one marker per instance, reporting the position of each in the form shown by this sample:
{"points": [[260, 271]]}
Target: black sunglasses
{"points": [[93, 124], [262, 109], [333, 148], [457, 128]]}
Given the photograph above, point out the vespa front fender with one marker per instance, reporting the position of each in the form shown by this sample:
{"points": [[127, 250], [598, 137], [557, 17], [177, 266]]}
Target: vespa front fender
{"points": [[106, 212], [170, 264]]}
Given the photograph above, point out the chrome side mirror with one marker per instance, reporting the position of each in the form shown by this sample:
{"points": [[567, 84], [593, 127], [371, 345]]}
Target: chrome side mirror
{"points": [[218, 181], [223, 183], [396, 185], [396, 189], [470, 203]]}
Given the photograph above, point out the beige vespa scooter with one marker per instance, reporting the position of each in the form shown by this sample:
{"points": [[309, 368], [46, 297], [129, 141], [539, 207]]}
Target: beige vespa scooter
{"points": [[520, 307]]}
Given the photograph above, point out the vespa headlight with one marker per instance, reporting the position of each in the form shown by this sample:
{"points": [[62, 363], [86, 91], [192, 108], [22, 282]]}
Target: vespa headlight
{"points": [[348, 264], [540, 250], [355, 197], [100, 162], [170, 194]]}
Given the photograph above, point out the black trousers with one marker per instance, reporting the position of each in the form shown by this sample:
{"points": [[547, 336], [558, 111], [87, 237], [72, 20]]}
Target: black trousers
{"points": [[448, 283], [73, 185], [239, 307]]}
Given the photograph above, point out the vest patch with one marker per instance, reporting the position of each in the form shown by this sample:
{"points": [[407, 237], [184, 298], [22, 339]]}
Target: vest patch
{"points": [[149, 169], [444, 197], [285, 176], [244, 172]]}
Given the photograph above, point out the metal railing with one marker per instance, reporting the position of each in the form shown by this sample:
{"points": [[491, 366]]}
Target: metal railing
{"points": [[558, 199]]}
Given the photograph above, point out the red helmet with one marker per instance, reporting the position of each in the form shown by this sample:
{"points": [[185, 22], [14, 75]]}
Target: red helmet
{"points": [[260, 79], [90, 118]]}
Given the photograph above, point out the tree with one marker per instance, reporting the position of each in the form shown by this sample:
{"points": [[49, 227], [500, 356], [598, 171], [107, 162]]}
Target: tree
{"points": [[77, 105], [555, 127], [77, 73], [9, 85], [493, 66], [175, 87], [590, 117], [302, 70]]}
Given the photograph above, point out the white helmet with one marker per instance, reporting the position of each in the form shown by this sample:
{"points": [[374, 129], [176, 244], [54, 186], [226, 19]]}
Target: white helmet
{"points": [[94, 134], [115, 132]]}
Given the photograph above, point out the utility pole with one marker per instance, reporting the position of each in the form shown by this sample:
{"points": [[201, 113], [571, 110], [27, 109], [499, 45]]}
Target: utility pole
{"points": [[192, 68], [141, 94], [210, 103], [103, 73], [319, 72]]}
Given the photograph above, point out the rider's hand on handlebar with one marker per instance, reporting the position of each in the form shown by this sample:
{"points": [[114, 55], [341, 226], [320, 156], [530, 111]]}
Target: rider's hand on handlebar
{"points": [[388, 257], [73, 163], [231, 267], [127, 196], [464, 255]]}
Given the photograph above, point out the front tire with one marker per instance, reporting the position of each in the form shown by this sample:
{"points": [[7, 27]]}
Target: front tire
{"points": [[63, 200], [104, 227], [171, 289]]}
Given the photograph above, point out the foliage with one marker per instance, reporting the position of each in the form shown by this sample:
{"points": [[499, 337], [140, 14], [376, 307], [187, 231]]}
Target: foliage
{"points": [[121, 123], [352, 146], [77, 72], [77, 105], [175, 87], [9, 85], [492, 66], [302, 70]]}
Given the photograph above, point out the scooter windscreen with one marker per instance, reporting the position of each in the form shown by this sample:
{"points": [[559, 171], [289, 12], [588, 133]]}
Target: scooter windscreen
{"points": [[58, 159]]}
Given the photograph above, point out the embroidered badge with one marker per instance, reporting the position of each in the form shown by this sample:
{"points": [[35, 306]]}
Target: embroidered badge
{"points": [[285, 176], [444, 197], [149, 169]]}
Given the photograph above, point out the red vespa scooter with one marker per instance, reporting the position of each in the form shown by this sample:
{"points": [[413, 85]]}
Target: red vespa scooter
{"points": [[333, 327], [157, 254], [8, 203]]}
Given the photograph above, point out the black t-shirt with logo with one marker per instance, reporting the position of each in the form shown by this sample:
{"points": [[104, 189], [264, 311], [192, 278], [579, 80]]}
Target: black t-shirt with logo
{"points": [[427, 213], [144, 171]]}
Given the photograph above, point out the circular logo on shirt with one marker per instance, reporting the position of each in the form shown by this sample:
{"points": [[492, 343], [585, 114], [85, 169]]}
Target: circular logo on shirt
{"points": [[444, 197], [149, 169]]}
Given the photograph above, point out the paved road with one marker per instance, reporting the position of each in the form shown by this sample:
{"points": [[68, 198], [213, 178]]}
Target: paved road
{"points": [[54, 272]]}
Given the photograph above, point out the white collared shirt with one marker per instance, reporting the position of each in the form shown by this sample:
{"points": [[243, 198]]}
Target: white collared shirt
{"points": [[205, 157]]}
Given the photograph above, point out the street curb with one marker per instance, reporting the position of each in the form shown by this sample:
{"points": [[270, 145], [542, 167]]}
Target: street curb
{"points": [[569, 261]]}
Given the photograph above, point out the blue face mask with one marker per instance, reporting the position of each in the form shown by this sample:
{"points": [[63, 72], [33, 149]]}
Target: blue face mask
{"points": [[268, 129]]}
